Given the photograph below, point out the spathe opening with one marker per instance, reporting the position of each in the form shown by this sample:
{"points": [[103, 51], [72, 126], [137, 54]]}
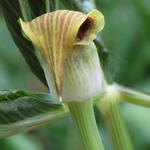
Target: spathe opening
{"points": [[84, 28]]}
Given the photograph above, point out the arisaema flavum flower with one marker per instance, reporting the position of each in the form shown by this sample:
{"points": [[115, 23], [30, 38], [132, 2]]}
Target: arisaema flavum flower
{"points": [[64, 45]]}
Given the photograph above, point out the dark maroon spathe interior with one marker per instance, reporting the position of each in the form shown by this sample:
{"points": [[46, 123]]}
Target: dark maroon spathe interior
{"points": [[86, 25]]}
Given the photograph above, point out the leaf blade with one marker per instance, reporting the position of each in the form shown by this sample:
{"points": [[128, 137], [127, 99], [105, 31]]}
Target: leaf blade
{"points": [[11, 12], [21, 111]]}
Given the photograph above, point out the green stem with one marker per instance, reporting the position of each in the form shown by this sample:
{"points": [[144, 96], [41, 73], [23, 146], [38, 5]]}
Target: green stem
{"points": [[47, 4], [56, 4], [84, 118], [134, 97], [51, 5], [25, 10], [112, 116]]}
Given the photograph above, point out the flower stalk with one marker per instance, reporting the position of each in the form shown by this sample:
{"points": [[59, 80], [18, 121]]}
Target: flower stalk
{"points": [[84, 119]]}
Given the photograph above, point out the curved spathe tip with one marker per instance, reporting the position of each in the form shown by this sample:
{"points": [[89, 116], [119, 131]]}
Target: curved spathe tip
{"points": [[93, 24]]}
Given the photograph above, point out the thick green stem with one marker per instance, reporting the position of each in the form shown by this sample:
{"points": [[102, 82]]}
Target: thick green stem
{"points": [[115, 124], [84, 118], [25, 10]]}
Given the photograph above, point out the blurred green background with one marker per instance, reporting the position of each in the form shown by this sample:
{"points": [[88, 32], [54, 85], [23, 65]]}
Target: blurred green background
{"points": [[127, 36]]}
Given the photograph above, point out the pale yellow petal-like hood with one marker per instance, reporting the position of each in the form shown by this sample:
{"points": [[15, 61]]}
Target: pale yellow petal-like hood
{"points": [[55, 35]]}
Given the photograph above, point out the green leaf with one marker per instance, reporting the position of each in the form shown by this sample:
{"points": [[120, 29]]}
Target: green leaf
{"points": [[11, 12], [21, 111]]}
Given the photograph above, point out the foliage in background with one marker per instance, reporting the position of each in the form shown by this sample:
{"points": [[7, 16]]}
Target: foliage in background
{"points": [[127, 36]]}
